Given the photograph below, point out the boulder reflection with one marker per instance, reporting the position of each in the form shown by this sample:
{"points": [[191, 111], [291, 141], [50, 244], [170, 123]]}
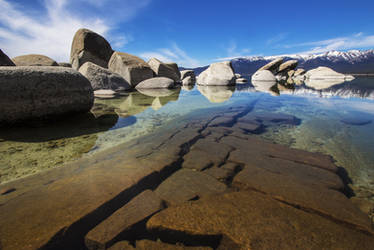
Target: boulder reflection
{"points": [[216, 94]]}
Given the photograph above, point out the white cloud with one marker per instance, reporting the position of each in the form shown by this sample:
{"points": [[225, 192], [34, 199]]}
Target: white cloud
{"points": [[232, 51], [355, 41], [172, 54], [50, 30], [278, 38]]}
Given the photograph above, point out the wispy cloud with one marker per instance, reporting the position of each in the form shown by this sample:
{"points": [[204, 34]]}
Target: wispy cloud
{"points": [[50, 30], [355, 41], [232, 51], [276, 39], [172, 54]]}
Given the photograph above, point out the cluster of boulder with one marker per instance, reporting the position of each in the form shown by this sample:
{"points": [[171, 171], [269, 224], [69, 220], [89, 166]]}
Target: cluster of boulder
{"points": [[36, 86], [279, 75]]}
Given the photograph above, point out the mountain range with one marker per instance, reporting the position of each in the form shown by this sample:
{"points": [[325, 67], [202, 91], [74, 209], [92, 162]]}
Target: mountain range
{"points": [[350, 62]]}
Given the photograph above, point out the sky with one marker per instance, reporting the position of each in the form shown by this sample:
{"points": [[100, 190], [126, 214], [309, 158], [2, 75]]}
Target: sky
{"points": [[192, 33]]}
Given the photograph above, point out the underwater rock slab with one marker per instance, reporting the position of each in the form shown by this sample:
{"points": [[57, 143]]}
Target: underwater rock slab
{"points": [[139, 208], [356, 121], [187, 184], [255, 221], [153, 245]]}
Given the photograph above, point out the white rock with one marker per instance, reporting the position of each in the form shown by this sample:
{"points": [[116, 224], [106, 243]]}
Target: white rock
{"points": [[263, 75], [218, 74], [326, 73], [156, 83]]}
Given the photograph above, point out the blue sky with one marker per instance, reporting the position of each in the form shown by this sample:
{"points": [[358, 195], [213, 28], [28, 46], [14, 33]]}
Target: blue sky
{"points": [[191, 33]]}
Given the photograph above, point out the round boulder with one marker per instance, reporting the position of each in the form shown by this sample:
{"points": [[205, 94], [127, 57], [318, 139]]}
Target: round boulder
{"points": [[89, 46], [132, 68], [5, 60], [42, 92], [263, 75], [34, 60], [218, 74], [156, 83], [102, 78]]}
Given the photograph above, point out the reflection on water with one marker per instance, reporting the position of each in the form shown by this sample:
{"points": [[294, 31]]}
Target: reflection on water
{"points": [[341, 127]]}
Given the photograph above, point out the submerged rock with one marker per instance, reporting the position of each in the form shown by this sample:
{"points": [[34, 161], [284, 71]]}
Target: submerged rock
{"points": [[156, 83], [41, 92], [5, 60], [34, 60], [89, 46], [217, 74], [102, 78], [169, 70], [132, 68], [356, 121]]}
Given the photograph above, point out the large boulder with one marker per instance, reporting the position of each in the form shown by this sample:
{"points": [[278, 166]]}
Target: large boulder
{"points": [[326, 73], [132, 68], [273, 65], [263, 75], [156, 83], [287, 66], [89, 46], [169, 70], [42, 92], [34, 60], [218, 74], [5, 60], [102, 78]]}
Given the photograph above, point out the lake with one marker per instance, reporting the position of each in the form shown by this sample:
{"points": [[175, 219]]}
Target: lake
{"points": [[331, 118]]}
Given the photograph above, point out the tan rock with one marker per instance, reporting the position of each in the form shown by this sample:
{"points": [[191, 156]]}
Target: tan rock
{"points": [[34, 60]]}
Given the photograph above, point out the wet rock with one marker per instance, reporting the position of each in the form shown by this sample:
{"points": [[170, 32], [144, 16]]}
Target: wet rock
{"points": [[42, 92], [263, 75], [89, 46], [139, 208], [248, 126], [287, 66], [132, 68], [221, 174], [356, 121], [218, 74], [273, 65], [277, 118], [156, 245], [5, 60], [169, 70], [206, 153], [186, 184], [102, 78], [34, 60], [216, 94], [255, 221], [156, 83]]}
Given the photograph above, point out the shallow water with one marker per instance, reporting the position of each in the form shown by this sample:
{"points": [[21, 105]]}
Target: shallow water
{"points": [[336, 120]]}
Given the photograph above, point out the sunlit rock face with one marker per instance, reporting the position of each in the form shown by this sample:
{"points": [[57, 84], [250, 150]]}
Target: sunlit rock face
{"points": [[218, 74], [326, 73], [34, 60], [263, 75], [216, 94]]}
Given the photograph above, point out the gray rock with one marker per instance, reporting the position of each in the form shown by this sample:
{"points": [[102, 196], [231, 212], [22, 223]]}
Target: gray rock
{"points": [[102, 78], [105, 93], [5, 60], [356, 121], [263, 75], [64, 64], [42, 92], [132, 68], [218, 74], [273, 65], [187, 73], [34, 60], [241, 80], [287, 66], [169, 70], [89, 46], [238, 75], [188, 81], [156, 83]]}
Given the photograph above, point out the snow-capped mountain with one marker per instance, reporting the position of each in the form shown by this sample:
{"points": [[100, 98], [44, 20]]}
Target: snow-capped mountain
{"points": [[350, 62]]}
